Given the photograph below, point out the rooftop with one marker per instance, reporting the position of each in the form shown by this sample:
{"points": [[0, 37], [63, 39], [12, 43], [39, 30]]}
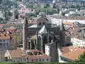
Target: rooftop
{"points": [[69, 17], [74, 54], [74, 31], [4, 36], [27, 53], [43, 30], [10, 28], [65, 50]]}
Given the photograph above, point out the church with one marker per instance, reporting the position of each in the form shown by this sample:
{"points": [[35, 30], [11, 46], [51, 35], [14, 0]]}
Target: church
{"points": [[46, 31]]}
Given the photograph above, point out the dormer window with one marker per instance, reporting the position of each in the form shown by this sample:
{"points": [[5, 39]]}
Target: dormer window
{"points": [[28, 52], [37, 53]]}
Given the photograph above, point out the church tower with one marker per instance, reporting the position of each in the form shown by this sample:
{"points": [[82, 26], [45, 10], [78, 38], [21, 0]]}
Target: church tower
{"points": [[25, 33], [54, 3], [62, 34], [15, 14]]}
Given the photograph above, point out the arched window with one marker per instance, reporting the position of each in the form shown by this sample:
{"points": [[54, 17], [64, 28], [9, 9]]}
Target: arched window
{"points": [[45, 39]]}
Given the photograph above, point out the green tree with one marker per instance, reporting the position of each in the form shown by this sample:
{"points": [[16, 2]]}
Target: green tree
{"points": [[47, 6], [82, 58]]}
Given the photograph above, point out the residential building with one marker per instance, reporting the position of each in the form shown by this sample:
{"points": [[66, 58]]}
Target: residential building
{"points": [[80, 19], [11, 29], [4, 41], [74, 54], [20, 55], [78, 42]]}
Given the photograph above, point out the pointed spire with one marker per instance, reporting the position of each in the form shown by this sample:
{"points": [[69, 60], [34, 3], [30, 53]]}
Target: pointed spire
{"points": [[61, 26], [26, 20], [25, 33]]}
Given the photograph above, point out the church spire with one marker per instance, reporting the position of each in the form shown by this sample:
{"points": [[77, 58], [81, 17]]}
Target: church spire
{"points": [[61, 26], [54, 3], [25, 33], [26, 20], [62, 34]]}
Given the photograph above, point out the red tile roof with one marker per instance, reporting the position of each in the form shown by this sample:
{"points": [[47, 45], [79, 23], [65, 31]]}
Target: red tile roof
{"points": [[65, 50], [4, 36], [22, 53], [70, 23], [74, 54]]}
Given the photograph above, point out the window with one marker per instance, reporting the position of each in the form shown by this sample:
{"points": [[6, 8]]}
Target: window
{"points": [[35, 53], [27, 58], [39, 59], [32, 60], [6, 44], [0, 40], [3, 44], [0, 44], [42, 59], [3, 40], [39, 53], [6, 59], [47, 59]]}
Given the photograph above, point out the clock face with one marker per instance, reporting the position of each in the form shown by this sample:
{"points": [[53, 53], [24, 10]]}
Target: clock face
{"points": [[47, 50]]}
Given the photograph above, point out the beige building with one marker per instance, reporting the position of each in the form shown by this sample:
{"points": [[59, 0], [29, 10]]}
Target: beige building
{"points": [[26, 56]]}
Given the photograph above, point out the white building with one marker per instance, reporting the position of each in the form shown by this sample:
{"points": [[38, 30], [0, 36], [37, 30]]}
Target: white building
{"points": [[78, 42], [80, 19]]}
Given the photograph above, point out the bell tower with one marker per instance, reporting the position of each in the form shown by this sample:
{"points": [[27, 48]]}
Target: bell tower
{"points": [[15, 14], [62, 34], [25, 34]]}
